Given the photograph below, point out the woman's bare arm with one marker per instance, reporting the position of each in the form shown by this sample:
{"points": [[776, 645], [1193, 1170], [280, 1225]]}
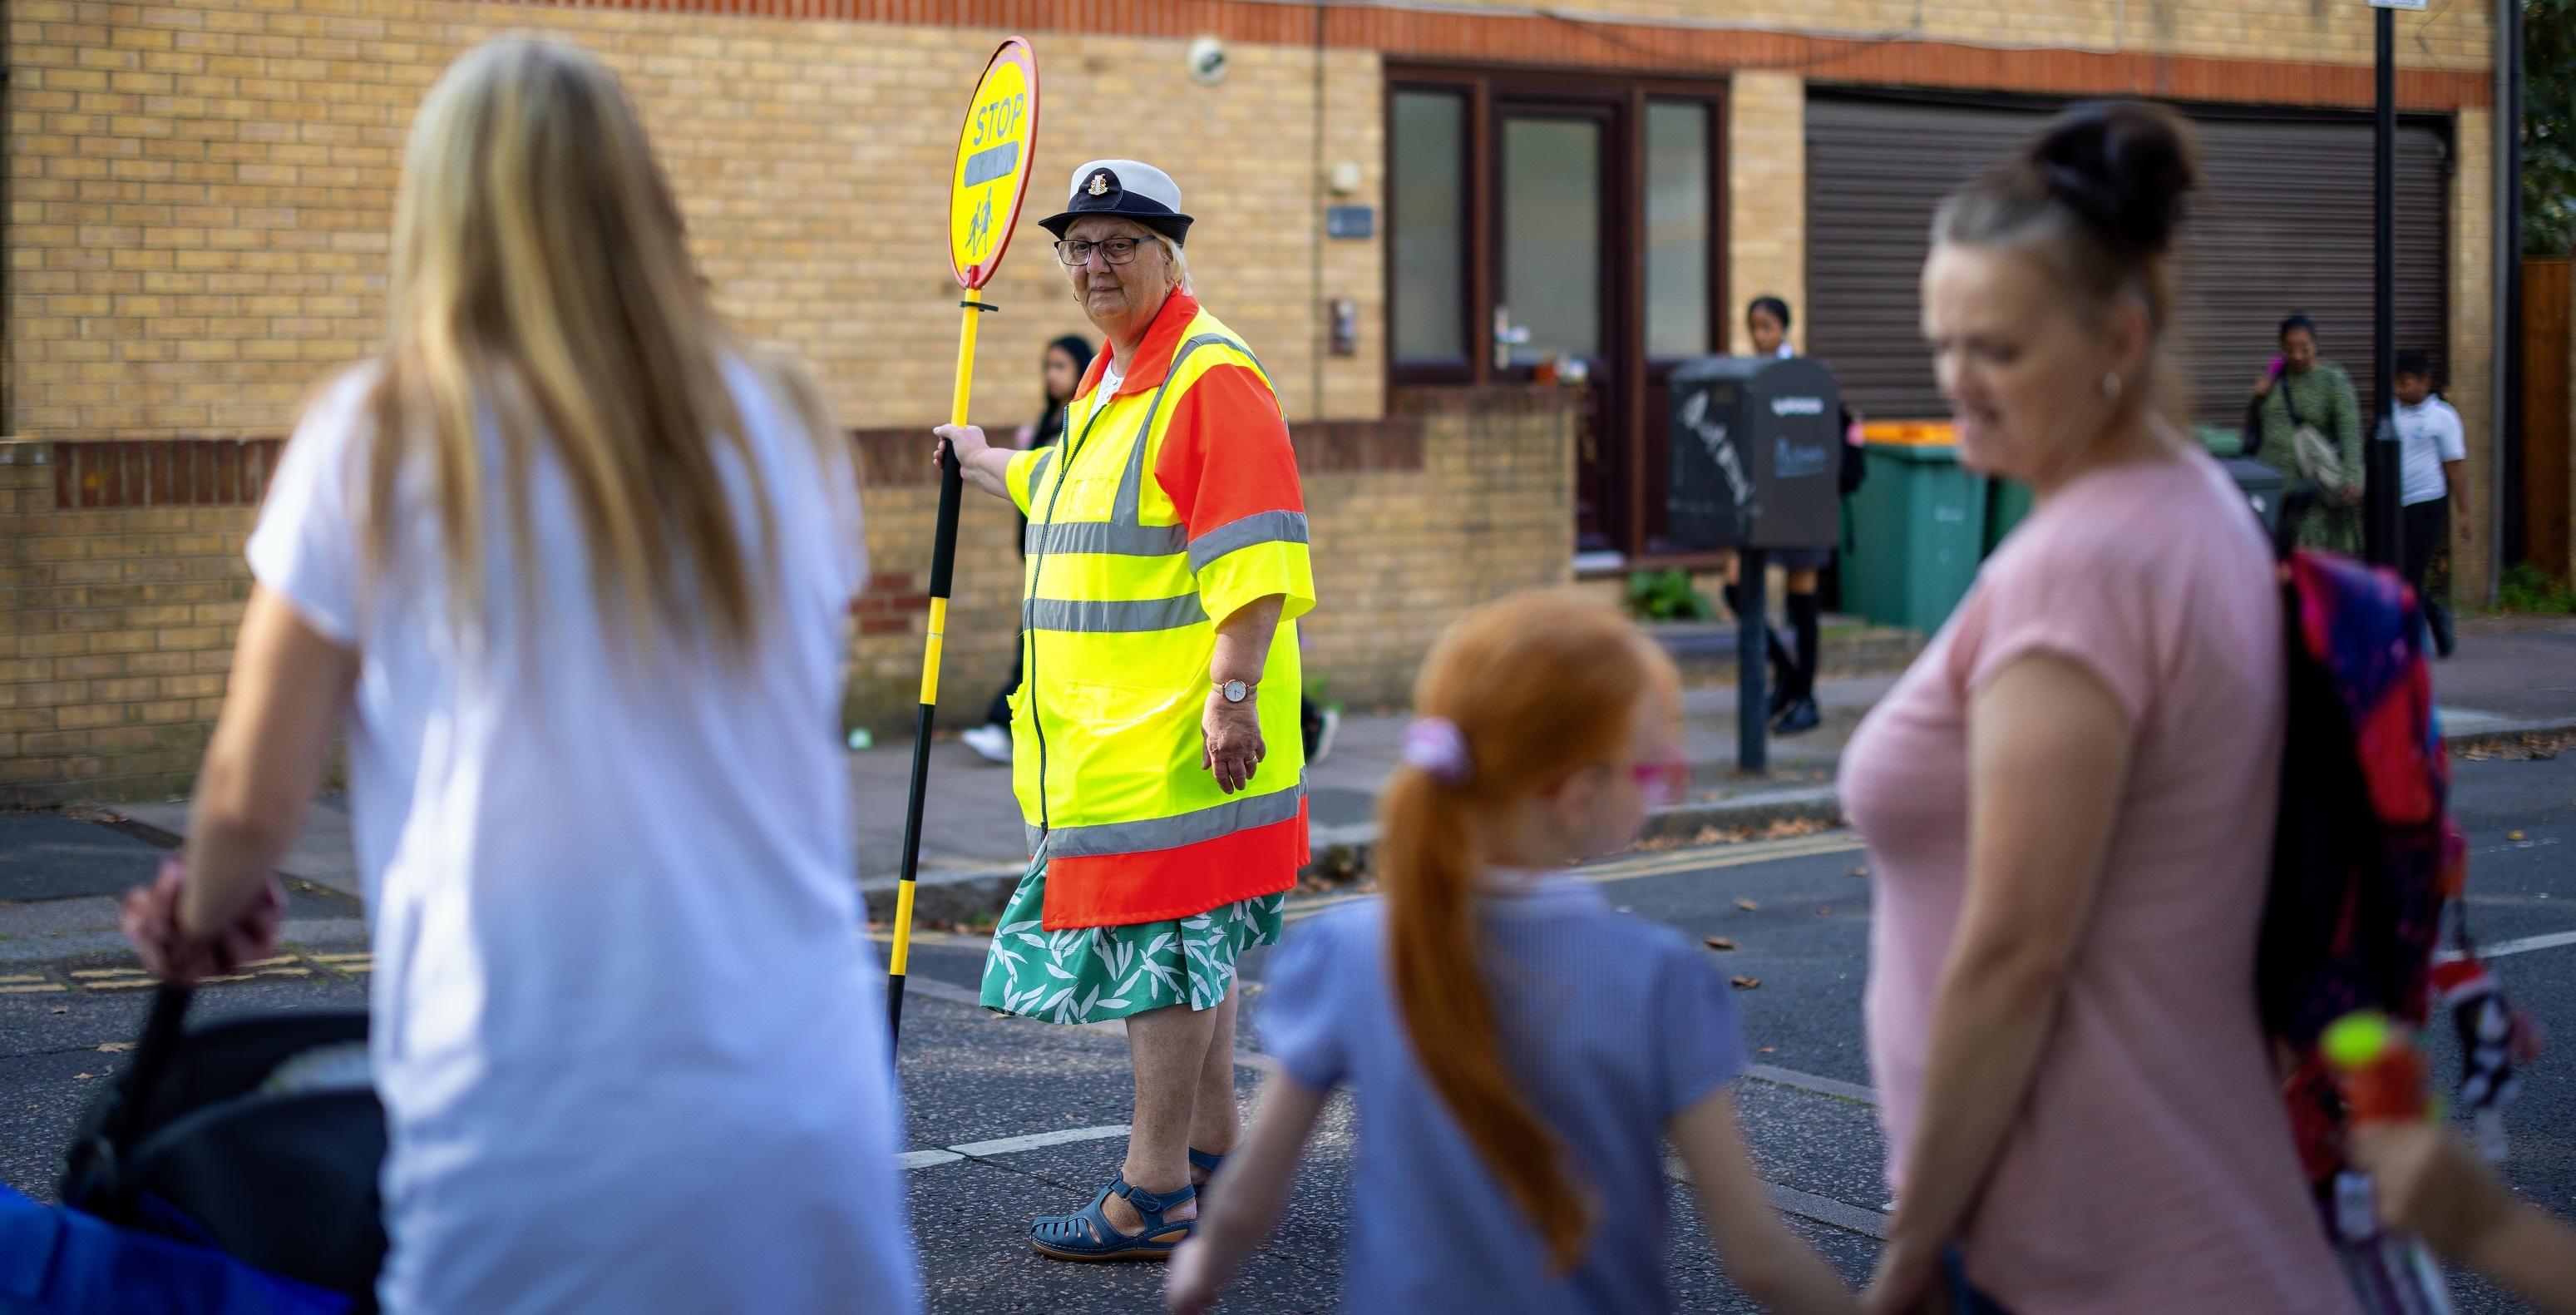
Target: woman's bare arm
{"points": [[264, 761], [2048, 758]]}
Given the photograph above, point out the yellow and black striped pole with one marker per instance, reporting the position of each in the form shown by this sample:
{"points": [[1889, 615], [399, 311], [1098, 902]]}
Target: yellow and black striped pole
{"points": [[986, 185], [943, 569]]}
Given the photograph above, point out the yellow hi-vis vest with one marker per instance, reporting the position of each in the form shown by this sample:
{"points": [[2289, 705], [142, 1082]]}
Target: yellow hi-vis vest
{"points": [[1163, 510]]}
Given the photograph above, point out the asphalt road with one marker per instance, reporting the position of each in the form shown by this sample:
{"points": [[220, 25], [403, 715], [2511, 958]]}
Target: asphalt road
{"points": [[1009, 1118]]}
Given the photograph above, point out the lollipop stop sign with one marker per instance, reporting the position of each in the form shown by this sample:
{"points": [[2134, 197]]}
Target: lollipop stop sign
{"points": [[992, 170]]}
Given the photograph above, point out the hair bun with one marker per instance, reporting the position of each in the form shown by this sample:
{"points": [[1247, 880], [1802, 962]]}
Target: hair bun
{"points": [[2126, 167]]}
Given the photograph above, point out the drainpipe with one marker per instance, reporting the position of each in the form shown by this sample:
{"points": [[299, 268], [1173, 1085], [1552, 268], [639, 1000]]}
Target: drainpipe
{"points": [[1315, 180], [2504, 543]]}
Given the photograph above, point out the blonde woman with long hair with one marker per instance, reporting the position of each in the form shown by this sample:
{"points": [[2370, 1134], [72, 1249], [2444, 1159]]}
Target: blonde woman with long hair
{"points": [[574, 562]]}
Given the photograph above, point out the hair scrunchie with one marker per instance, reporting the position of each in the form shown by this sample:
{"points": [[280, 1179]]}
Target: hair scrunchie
{"points": [[1436, 745]]}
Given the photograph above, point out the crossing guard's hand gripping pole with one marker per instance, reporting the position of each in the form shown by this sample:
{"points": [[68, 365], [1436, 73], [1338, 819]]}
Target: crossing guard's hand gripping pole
{"points": [[986, 183], [943, 570]]}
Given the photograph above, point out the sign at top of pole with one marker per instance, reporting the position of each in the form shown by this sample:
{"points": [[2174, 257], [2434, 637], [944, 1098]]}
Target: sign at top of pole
{"points": [[2398, 4], [992, 170]]}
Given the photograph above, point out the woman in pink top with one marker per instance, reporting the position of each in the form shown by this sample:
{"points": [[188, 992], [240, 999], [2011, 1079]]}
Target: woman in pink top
{"points": [[2068, 799]]}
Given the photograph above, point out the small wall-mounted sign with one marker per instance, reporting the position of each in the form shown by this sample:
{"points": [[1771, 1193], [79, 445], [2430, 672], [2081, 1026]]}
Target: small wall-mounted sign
{"points": [[1350, 221], [2397, 4]]}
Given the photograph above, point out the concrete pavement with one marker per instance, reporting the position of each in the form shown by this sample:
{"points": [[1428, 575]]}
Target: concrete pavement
{"points": [[2512, 676]]}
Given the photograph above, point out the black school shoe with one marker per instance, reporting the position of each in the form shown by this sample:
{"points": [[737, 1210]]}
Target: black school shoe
{"points": [[1797, 718]]}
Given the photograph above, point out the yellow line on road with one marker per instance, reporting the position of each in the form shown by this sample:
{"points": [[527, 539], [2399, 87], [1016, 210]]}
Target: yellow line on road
{"points": [[1720, 856], [1665, 864]]}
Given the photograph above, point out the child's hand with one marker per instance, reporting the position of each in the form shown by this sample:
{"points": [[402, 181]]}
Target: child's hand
{"points": [[1191, 1283], [150, 916], [2431, 1183]]}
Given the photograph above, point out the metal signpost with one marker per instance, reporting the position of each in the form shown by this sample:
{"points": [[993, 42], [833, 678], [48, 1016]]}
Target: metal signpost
{"points": [[2382, 525]]}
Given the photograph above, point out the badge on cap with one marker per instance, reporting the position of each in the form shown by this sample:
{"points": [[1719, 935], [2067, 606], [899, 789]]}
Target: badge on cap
{"points": [[1100, 183]]}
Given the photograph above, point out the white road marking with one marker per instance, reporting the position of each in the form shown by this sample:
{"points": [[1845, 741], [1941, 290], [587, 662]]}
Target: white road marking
{"points": [[2525, 945], [2512, 845], [939, 1155], [1809, 1082], [1037, 1140], [1826, 1210]]}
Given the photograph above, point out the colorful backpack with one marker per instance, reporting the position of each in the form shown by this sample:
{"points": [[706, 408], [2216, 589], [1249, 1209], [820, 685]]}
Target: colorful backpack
{"points": [[2366, 857], [2366, 863]]}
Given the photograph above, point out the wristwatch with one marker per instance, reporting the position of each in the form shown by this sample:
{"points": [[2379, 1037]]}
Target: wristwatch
{"points": [[1235, 691]]}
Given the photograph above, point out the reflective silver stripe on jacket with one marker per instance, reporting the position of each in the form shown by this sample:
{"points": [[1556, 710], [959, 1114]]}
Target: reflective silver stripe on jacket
{"points": [[1122, 616], [1108, 537], [1259, 527], [1153, 833]]}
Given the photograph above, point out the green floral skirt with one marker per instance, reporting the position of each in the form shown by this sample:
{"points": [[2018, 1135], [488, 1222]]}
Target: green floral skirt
{"points": [[1094, 974]]}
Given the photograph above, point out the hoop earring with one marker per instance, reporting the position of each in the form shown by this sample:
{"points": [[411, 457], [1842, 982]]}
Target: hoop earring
{"points": [[2111, 385]]}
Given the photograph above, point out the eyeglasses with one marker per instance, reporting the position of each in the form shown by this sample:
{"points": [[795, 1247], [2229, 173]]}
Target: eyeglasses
{"points": [[1117, 250], [1663, 781]]}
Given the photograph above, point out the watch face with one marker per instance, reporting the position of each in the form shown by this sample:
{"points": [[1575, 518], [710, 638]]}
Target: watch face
{"points": [[1235, 691]]}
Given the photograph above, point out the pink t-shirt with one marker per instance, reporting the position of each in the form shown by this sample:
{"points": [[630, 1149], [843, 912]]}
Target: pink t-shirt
{"points": [[2151, 1168]]}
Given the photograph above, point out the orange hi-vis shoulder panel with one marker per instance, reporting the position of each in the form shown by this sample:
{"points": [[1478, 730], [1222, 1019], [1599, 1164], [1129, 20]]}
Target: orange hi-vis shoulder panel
{"points": [[1165, 509]]}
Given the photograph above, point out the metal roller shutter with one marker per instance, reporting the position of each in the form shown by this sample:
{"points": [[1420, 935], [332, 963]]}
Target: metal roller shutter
{"points": [[2283, 224]]}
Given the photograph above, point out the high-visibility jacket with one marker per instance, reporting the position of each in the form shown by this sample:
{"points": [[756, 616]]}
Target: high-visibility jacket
{"points": [[1165, 508]]}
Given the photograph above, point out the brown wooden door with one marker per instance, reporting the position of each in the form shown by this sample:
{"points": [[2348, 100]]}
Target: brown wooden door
{"points": [[1589, 215], [2545, 308]]}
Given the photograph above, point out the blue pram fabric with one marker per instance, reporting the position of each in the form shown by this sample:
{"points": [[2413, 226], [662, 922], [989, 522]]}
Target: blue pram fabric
{"points": [[55, 1260]]}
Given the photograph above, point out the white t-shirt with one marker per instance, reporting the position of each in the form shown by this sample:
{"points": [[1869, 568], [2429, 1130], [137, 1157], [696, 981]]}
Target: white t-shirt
{"points": [[630, 1041], [2428, 434], [1111, 376]]}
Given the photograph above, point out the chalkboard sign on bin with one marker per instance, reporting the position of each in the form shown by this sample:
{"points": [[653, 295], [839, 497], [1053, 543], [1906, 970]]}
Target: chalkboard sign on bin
{"points": [[1756, 448]]}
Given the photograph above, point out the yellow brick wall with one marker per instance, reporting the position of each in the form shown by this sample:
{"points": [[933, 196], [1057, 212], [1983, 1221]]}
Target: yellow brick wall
{"points": [[201, 196], [1766, 198], [115, 633], [117, 622], [2457, 35]]}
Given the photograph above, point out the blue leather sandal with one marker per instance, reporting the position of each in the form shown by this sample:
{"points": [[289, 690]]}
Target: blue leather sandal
{"points": [[1089, 1235], [1203, 1160]]}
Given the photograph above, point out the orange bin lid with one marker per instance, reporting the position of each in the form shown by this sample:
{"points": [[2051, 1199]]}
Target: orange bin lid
{"points": [[1910, 433]]}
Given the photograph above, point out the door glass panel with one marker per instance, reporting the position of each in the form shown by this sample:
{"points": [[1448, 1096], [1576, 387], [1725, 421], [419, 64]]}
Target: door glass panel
{"points": [[1551, 224], [1428, 226], [1677, 229]]}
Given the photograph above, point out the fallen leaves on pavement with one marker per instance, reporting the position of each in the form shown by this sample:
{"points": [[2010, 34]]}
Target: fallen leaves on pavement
{"points": [[2532, 746], [1720, 943], [1782, 829], [1744, 983], [1747, 905]]}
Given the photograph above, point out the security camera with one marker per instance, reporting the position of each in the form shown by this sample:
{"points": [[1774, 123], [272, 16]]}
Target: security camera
{"points": [[1207, 61]]}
